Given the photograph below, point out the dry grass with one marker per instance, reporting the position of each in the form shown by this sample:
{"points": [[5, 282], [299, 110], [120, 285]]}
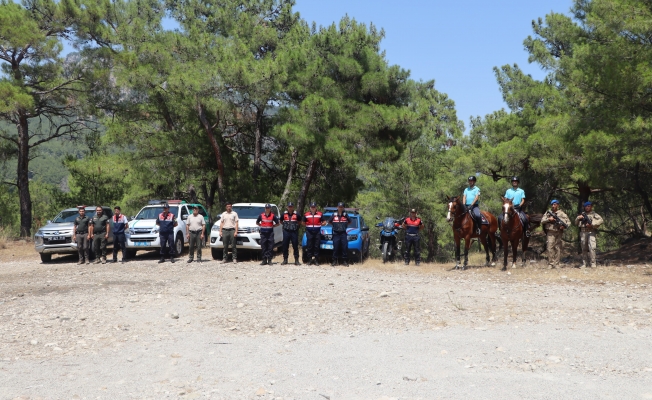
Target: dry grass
{"points": [[4, 238], [16, 250]]}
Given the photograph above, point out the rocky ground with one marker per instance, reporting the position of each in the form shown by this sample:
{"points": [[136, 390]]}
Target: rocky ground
{"points": [[371, 331]]}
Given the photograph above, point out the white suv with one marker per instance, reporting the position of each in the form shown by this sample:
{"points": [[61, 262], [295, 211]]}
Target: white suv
{"points": [[248, 237], [143, 233]]}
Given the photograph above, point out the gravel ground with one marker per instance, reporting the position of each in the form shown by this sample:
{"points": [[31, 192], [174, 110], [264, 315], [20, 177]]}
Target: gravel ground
{"points": [[371, 331]]}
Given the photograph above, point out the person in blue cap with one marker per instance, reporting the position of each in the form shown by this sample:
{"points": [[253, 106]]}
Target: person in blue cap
{"points": [[471, 199], [267, 221], [517, 195], [554, 222], [588, 221], [340, 220], [291, 221]]}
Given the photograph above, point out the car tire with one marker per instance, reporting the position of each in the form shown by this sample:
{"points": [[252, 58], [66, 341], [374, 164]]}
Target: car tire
{"points": [[46, 258], [385, 250], [178, 244], [217, 254]]}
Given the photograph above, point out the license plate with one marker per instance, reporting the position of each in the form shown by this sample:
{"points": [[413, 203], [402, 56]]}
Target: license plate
{"points": [[58, 238], [141, 243], [327, 246], [238, 242]]}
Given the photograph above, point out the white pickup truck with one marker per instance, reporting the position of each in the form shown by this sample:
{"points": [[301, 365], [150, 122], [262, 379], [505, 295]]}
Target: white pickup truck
{"points": [[248, 237], [143, 233]]}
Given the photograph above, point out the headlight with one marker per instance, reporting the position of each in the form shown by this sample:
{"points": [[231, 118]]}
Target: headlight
{"points": [[39, 233], [255, 229], [38, 240], [155, 230], [215, 228], [132, 232], [352, 238]]}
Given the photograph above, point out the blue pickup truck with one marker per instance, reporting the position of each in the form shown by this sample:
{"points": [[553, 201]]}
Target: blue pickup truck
{"points": [[358, 235]]}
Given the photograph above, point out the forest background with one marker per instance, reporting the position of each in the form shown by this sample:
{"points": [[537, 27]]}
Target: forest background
{"points": [[245, 101]]}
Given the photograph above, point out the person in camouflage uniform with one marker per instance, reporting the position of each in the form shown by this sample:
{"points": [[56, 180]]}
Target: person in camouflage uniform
{"points": [[588, 221], [554, 231]]}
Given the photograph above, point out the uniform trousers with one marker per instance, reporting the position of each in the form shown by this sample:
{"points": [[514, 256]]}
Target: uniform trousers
{"points": [[83, 246], [119, 243], [554, 247], [267, 243], [340, 246], [313, 237], [167, 244], [290, 237], [587, 239], [412, 241], [195, 242], [99, 245], [228, 240]]}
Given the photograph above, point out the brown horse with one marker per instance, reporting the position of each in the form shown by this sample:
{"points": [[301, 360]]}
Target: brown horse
{"points": [[463, 228], [511, 231]]}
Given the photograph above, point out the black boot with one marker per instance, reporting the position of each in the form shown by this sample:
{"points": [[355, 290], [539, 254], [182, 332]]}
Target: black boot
{"points": [[172, 260], [285, 261], [346, 263], [161, 261], [334, 263], [296, 261]]}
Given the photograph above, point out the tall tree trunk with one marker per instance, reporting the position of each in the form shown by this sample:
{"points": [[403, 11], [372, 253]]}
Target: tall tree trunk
{"points": [[258, 142], [209, 196], [641, 192], [307, 180], [201, 111], [22, 180], [288, 183]]}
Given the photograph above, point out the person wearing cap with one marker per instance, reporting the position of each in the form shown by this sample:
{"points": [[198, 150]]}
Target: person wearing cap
{"points": [[313, 221], [81, 236], [290, 220], [554, 231], [228, 231], [588, 221], [517, 195], [120, 224], [471, 199], [267, 221], [412, 226], [166, 222], [195, 226], [340, 221], [99, 232]]}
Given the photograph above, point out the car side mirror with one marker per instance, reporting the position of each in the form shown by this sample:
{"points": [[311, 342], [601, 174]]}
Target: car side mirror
{"points": [[184, 218], [133, 217], [218, 217], [49, 222], [377, 217], [365, 229]]}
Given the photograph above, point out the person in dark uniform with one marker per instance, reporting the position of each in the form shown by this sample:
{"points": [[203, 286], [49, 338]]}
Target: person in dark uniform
{"points": [[166, 222], [290, 220], [313, 221], [81, 236], [120, 224], [99, 231], [412, 226], [267, 221], [340, 221]]}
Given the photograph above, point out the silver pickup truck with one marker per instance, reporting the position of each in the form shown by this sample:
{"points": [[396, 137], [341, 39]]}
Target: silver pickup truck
{"points": [[56, 236]]}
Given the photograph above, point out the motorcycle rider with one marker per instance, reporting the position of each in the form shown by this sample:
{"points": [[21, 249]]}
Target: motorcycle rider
{"points": [[412, 226]]}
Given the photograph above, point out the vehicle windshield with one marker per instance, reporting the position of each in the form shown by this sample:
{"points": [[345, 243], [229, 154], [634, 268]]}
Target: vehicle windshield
{"points": [[153, 212], [249, 212], [388, 224], [70, 216], [352, 225]]}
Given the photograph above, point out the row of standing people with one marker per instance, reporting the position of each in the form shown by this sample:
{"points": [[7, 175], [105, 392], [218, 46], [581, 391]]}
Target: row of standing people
{"points": [[554, 222]]}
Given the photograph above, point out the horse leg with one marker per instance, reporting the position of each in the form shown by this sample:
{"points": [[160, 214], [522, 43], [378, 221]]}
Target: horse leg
{"points": [[526, 240], [467, 244], [514, 251], [505, 251], [457, 252], [492, 237], [485, 242]]}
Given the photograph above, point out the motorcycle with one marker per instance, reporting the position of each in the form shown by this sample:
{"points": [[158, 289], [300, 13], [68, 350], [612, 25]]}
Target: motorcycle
{"points": [[389, 243]]}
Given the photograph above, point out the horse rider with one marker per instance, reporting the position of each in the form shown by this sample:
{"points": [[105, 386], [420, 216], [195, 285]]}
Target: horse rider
{"points": [[412, 226], [517, 195], [554, 231], [471, 200], [588, 221]]}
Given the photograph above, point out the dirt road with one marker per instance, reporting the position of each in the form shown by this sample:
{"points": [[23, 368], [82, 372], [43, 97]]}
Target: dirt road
{"points": [[144, 330]]}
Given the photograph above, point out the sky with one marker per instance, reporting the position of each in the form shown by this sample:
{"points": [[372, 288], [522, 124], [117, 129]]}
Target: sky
{"points": [[456, 43]]}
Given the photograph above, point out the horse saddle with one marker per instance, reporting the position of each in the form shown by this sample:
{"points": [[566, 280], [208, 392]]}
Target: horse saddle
{"points": [[484, 219]]}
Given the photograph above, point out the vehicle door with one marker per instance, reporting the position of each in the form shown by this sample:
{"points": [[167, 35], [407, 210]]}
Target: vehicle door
{"points": [[278, 231], [364, 231], [183, 218]]}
